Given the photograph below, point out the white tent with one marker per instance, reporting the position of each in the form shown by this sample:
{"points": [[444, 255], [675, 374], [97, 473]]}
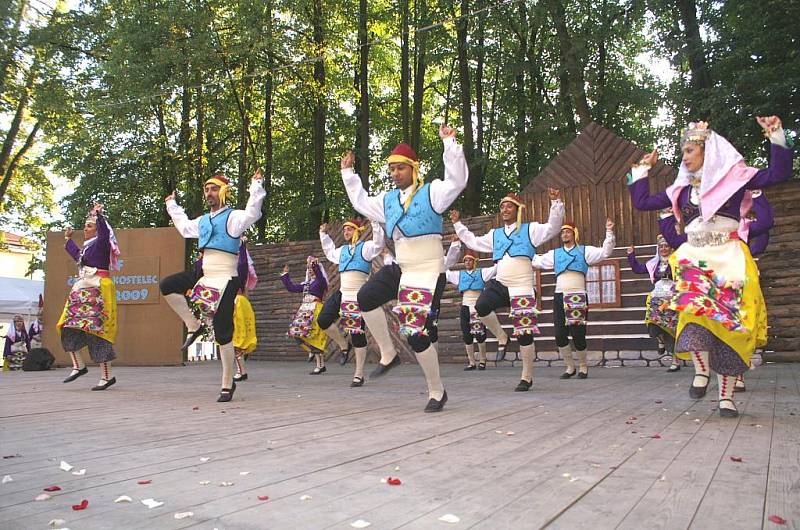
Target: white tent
{"points": [[18, 296]]}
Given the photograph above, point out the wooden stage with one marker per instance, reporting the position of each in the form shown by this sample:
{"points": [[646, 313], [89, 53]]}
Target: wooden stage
{"points": [[626, 448]]}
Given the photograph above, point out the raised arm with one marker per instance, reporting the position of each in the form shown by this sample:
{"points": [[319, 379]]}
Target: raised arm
{"points": [[595, 254], [639, 186], [288, 283], [538, 232], [456, 172], [187, 228], [70, 246], [369, 206], [451, 258], [332, 253], [241, 220], [484, 243], [373, 249], [544, 261], [636, 267]]}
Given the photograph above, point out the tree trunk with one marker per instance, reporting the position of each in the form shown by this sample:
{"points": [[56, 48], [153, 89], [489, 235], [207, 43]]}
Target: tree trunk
{"points": [[521, 98], [245, 140], [695, 54], [570, 63], [166, 165], [319, 116], [13, 130], [472, 199], [268, 94], [12, 167], [11, 43], [405, 71], [420, 66], [362, 154]]}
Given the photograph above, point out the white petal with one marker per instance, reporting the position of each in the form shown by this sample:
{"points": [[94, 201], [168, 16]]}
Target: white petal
{"points": [[55, 523], [204, 482], [305, 498], [361, 523], [204, 459], [243, 473], [449, 518], [7, 479], [79, 473], [65, 467], [123, 498], [510, 433], [225, 484], [397, 468], [42, 497], [152, 503], [566, 475], [183, 515]]}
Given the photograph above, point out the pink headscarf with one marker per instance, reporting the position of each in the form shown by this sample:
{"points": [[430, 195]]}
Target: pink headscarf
{"points": [[724, 173]]}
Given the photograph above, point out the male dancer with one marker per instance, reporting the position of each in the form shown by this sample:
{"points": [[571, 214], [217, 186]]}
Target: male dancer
{"points": [[214, 291], [571, 262], [470, 282], [513, 246], [355, 264], [412, 212]]}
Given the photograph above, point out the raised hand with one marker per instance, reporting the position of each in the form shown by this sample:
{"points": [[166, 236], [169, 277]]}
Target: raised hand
{"points": [[348, 159], [97, 208], [446, 131], [170, 197], [631, 250], [68, 232], [649, 159], [769, 123], [258, 176], [609, 225], [554, 194], [286, 269], [455, 216], [323, 228]]}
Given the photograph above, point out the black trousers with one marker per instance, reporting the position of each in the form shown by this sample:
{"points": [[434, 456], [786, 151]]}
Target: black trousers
{"points": [[493, 297], [330, 314], [181, 282], [466, 329], [563, 332], [382, 287]]}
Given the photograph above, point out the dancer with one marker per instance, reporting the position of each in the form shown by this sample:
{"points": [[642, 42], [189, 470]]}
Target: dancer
{"points": [[35, 329], [214, 288], [660, 320], [571, 262], [305, 327], [721, 318], [412, 212], [244, 319], [17, 344], [513, 246], [89, 318], [470, 282], [355, 264]]}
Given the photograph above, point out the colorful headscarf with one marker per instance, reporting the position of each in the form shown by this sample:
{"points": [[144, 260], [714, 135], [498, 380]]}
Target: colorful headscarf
{"points": [[571, 226], [224, 185], [404, 154], [515, 199], [358, 229]]}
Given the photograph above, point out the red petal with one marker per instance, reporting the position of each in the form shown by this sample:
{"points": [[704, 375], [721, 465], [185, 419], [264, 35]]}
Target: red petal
{"points": [[777, 519], [656, 436], [53, 488], [263, 498], [393, 481], [736, 459], [82, 506], [144, 482]]}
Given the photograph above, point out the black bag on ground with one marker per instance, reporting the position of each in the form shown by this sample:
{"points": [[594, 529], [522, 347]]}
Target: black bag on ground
{"points": [[37, 360]]}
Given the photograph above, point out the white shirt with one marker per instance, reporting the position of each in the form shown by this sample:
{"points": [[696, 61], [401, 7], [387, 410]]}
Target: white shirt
{"points": [[451, 259], [369, 251], [238, 220], [538, 232], [592, 254], [442, 192]]}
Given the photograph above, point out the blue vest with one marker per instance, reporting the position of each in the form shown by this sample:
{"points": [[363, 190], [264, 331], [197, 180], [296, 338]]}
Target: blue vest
{"points": [[470, 281], [572, 260], [214, 233], [354, 261], [517, 244], [420, 219]]}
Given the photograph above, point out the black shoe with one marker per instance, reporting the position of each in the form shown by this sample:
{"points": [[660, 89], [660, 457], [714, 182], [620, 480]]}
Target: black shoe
{"points": [[357, 381], [523, 386], [108, 384], [345, 355], [673, 368], [470, 367], [226, 394], [697, 392], [76, 374], [501, 352], [481, 366], [191, 337], [317, 370], [728, 413], [583, 375], [436, 406], [382, 369], [310, 357], [240, 377], [567, 375]]}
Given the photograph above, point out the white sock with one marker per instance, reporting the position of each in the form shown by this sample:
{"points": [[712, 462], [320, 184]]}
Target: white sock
{"points": [[429, 362], [566, 354], [493, 324], [726, 384], [700, 360], [361, 359], [239, 364], [377, 325], [337, 336], [583, 366], [482, 351], [105, 373], [319, 360], [739, 382], [227, 355], [470, 354], [528, 353], [77, 361], [179, 304]]}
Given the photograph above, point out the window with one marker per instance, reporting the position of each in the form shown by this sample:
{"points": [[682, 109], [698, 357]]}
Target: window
{"points": [[603, 284]]}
